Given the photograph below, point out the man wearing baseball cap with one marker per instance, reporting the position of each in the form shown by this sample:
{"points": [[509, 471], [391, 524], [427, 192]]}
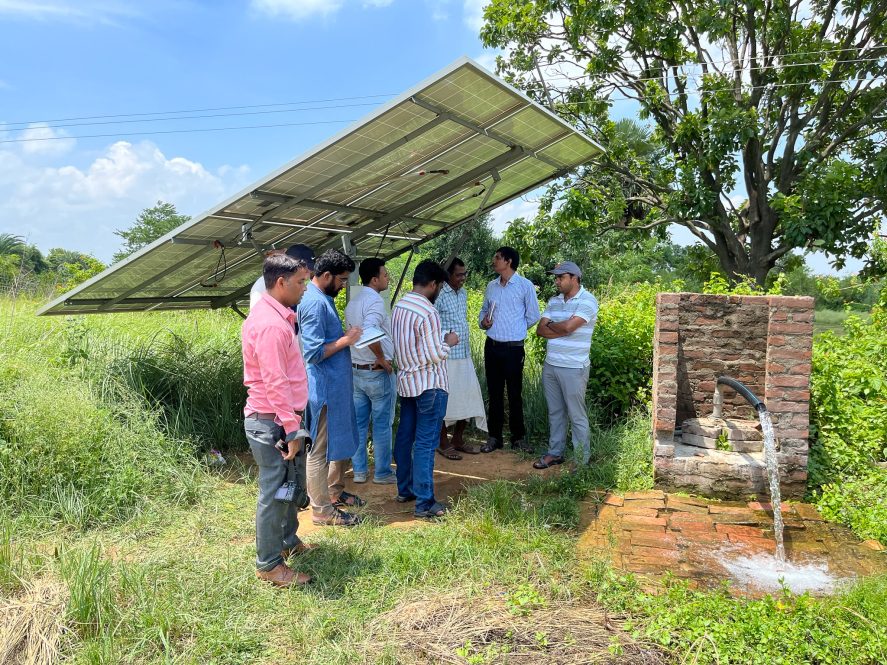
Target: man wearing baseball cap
{"points": [[567, 323], [299, 252]]}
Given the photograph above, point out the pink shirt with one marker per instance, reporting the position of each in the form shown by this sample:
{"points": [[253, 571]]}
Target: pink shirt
{"points": [[273, 369]]}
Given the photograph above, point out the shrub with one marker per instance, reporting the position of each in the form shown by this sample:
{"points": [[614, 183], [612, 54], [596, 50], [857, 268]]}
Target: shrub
{"points": [[849, 425]]}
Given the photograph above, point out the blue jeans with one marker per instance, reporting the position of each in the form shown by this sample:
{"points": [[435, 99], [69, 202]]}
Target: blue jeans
{"points": [[374, 395], [417, 437], [276, 521]]}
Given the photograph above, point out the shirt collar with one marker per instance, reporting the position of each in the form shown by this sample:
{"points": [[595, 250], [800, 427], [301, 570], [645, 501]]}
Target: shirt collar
{"points": [[312, 285], [578, 293], [284, 312]]}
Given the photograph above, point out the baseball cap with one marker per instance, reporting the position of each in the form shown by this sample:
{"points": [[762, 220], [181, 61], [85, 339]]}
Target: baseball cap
{"points": [[303, 252], [565, 267]]}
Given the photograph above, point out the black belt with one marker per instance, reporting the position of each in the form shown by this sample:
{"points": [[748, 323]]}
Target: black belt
{"points": [[370, 367], [498, 343], [262, 416]]}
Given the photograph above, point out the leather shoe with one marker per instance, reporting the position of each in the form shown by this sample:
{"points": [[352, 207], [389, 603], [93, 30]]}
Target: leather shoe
{"points": [[283, 576], [492, 444]]}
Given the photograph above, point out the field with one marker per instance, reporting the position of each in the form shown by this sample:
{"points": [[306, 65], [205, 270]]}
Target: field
{"points": [[120, 545]]}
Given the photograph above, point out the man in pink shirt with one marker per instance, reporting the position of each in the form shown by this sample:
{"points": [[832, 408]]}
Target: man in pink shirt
{"points": [[277, 392]]}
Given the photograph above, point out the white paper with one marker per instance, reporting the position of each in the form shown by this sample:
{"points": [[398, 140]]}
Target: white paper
{"points": [[369, 336]]}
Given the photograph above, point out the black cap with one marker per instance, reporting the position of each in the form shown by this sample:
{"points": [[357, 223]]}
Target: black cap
{"points": [[303, 252]]}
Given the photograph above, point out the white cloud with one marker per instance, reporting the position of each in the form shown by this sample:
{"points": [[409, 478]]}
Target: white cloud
{"points": [[80, 208], [298, 10], [473, 14], [487, 60], [83, 11], [41, 139], [524, 206]]}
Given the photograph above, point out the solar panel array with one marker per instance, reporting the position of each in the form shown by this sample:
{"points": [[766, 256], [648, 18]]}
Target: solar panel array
{"points": [[459, 143]]}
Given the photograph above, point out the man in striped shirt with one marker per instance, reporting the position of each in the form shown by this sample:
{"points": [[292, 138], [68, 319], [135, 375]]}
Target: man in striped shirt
{"points": [[421, 350], [567, 323], [510, 308]]}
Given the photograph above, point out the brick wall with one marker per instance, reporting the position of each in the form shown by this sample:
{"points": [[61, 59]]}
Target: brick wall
{"points": [[764, 342]]}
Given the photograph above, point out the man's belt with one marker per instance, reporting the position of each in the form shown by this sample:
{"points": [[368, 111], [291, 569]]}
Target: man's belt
{"points": [[498, 343], [262, 416], [370, 367]]}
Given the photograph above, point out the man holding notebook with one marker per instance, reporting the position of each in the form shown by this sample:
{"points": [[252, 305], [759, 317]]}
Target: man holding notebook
{"points": [[510, 308], [375, 391]]}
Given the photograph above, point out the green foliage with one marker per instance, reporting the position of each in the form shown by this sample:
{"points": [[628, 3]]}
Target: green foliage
{"points": [[849, 423], [476, 251], [151, 224], [798, 132], [621, 372], [70, 268], [716, 627]]}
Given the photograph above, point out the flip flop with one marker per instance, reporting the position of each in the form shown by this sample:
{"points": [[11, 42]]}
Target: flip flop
{"points": [[468, 449], [542, 464], [449, 453]]}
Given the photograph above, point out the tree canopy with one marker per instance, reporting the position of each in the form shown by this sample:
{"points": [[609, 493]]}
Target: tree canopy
{"points": [[768, 117], [152, 223]]}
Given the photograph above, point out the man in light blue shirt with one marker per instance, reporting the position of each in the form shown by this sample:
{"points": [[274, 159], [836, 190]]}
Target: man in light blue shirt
{"points": [[510, 307], [375, 390], [567, 323]]}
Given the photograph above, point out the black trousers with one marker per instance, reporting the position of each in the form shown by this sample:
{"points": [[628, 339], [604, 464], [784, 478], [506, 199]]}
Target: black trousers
{"points": [[504, 366]]}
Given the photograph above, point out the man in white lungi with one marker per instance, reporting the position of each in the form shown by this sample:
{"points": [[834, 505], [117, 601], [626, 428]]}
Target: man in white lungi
{"points": [[466, 401]]}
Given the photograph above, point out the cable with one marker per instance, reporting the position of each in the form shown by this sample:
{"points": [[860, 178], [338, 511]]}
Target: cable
{"points": [[175, 131], [218, 108], [193, 117]]}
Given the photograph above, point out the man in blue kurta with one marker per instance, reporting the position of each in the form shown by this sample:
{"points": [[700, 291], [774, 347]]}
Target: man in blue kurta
{"points": [[327, 351]]}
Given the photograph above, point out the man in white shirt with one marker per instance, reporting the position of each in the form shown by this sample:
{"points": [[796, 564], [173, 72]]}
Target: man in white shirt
{"points": [[375, 389], [567, 323]]}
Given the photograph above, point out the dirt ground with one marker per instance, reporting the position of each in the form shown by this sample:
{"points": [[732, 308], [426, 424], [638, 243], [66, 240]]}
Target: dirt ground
{"points": [[451, 478]]}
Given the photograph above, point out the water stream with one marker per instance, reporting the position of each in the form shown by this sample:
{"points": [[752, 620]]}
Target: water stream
{"points": [[773, 473]]}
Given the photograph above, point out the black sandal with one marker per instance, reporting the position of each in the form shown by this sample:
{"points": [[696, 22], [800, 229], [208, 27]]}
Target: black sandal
{"points": [[542, 464], [405, 498], [348, 500]]}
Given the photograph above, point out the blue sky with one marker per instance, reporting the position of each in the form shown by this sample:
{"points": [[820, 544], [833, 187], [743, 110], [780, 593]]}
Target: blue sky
{"points": [[61, 60]]}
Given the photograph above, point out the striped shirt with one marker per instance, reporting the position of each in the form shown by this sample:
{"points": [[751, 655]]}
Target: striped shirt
{"points": [[572, 350], [418, 346], [453, 309], [516, 308]]}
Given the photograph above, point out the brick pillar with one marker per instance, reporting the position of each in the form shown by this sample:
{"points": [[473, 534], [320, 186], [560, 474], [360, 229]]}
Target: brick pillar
{"points": [[787, 392], [665, 376]]}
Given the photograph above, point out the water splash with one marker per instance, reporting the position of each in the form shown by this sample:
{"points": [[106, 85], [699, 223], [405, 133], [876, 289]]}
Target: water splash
{"points": [[773, 473], [767, 573]]}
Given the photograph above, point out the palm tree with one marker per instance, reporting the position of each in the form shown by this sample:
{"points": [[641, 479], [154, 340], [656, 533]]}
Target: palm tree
{"points": [[10, 244]]}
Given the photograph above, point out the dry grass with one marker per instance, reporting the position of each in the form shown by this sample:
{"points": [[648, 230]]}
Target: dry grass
{"points": [[457, 628], [31, 624]]}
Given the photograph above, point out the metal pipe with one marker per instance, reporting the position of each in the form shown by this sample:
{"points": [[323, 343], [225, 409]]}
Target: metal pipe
{"points": [[738, 387]]}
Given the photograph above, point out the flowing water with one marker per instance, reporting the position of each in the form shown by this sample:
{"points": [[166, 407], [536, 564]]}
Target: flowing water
{"points": [[773, 473], [765, 573]]}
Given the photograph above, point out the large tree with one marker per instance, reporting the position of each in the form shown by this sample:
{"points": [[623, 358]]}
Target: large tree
{"points": [[152, 223], [769, 116]]}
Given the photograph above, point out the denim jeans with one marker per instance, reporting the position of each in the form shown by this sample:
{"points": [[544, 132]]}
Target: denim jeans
{"points": [[276, 521], [417, 436], [374, 395]]}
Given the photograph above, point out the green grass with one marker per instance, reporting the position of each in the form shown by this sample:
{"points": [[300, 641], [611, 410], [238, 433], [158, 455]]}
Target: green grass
{"points": [[833, 320]]}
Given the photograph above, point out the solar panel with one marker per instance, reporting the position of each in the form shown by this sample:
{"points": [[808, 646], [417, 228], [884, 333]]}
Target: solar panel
{"points": [[461, 143]]}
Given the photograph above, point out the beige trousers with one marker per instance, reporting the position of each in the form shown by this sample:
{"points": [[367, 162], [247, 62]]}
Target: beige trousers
{"points": [[326, 480]]}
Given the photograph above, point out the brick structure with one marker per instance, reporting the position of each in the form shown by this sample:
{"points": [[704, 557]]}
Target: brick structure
{"points": [[762, 341]]}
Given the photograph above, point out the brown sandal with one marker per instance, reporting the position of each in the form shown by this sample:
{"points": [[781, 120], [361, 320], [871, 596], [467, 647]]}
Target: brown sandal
{"points": [[449, 453]]}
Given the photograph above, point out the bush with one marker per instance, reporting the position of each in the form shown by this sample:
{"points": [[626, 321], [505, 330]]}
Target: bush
{"points": [[621, 373], [849, 425]]}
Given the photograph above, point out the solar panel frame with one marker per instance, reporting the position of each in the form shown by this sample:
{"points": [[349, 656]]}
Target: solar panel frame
{"points": [[417, 167]]}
